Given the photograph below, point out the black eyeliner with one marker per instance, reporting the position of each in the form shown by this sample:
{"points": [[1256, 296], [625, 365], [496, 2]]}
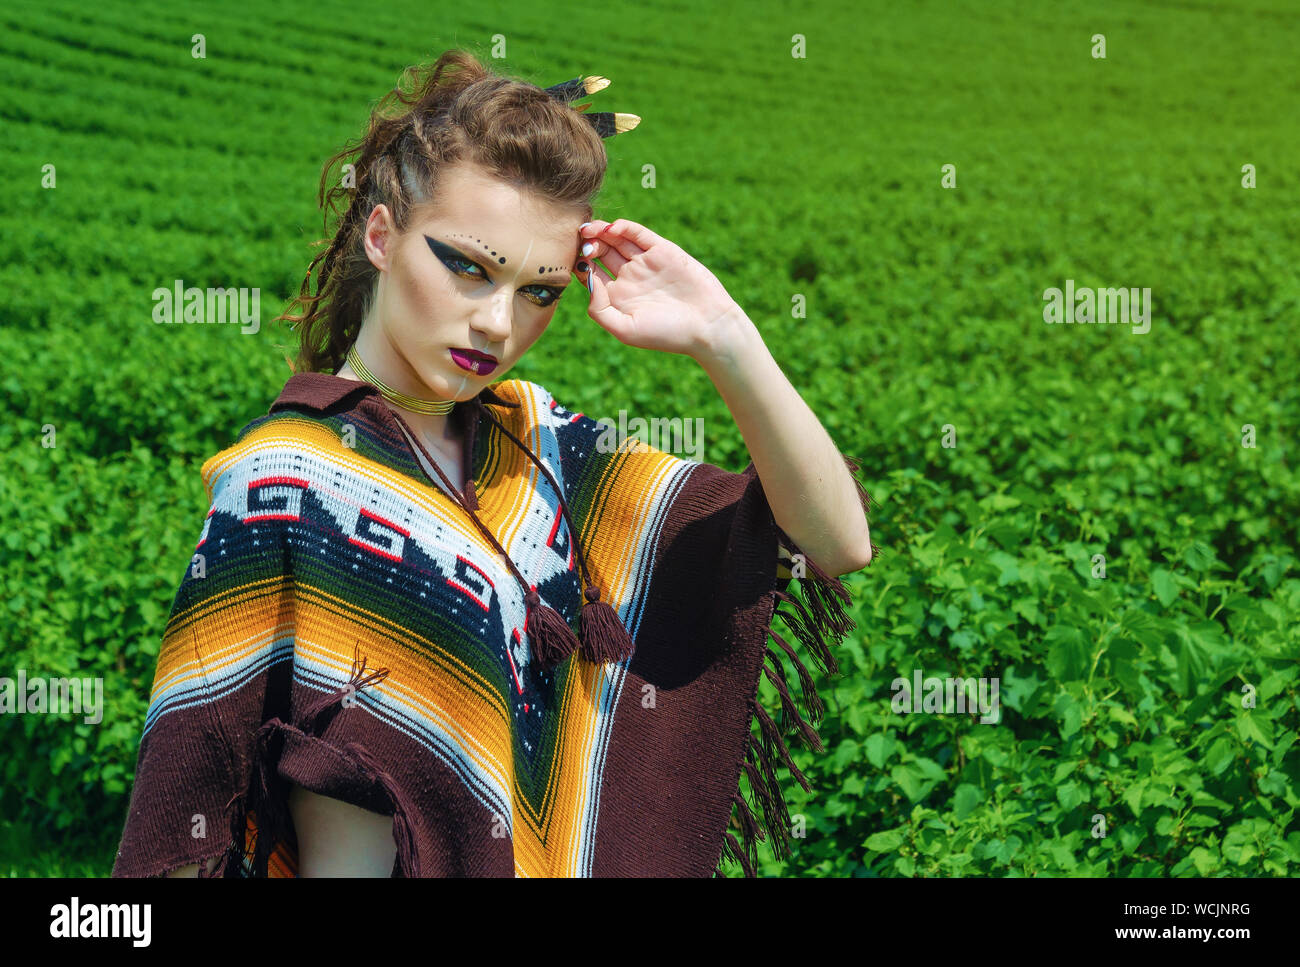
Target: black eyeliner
{"points": [[444, 252]]}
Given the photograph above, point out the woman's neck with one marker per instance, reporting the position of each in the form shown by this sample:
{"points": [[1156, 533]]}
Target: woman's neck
{"points": [[436, 428]]}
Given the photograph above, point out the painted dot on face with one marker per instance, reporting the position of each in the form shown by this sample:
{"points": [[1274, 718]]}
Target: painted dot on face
{"points": [[501, 259]]}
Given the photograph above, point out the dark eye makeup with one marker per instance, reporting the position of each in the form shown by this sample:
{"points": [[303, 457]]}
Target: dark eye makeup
{"points": [[460, 264]]}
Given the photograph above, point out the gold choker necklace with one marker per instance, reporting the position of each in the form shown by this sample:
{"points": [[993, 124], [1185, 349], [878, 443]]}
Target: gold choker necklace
{"points": [[441, 407]]}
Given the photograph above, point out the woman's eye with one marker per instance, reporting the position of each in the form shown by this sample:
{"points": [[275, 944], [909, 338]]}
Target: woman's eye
{"points": [[452, 263], [546, 295], [542, 295]]}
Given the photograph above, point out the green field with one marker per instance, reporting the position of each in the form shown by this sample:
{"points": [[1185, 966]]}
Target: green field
{"points": [[1163, 697]]}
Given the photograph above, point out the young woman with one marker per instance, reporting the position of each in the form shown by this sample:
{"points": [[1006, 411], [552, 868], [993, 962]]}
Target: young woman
{"points": [[439, 624]]}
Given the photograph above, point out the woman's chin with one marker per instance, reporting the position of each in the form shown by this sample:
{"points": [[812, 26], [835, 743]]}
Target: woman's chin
{"points": [[457, 385]]}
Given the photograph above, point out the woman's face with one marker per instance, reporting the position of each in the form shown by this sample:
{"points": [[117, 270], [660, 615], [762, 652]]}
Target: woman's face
{"points": [[481, 269]]}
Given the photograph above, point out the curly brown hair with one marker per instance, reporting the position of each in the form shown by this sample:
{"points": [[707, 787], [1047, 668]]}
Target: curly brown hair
{"points": [[451, 111]]}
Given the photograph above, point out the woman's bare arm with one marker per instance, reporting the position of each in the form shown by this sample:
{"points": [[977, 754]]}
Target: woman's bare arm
{"points": [[338, 839]]}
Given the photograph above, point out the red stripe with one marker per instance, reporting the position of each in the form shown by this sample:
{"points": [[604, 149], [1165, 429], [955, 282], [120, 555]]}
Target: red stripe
{"points": [[268, 481], [387, 523], [374, 550]]}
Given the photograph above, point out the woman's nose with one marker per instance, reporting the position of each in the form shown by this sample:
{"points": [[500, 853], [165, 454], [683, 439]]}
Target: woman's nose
{"points": [[496, 319]]}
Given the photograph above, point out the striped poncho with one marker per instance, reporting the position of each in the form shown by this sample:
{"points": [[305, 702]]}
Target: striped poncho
{"points": [[342, 626]]}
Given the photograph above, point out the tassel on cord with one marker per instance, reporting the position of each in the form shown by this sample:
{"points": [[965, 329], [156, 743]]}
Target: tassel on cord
{"points": [[551, 638], [818, 619], [603, 637]]}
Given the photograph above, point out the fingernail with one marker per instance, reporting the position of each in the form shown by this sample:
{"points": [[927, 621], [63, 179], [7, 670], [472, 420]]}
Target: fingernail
{"points": [[583, 225], [588, 248], [591, 282]]}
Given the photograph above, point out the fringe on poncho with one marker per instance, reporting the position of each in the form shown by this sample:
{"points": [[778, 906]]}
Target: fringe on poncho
{"points": [[342, 626]]}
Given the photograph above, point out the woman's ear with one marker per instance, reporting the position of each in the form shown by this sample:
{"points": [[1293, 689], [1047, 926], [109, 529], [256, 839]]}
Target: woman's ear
{"points": [[379, 235]]}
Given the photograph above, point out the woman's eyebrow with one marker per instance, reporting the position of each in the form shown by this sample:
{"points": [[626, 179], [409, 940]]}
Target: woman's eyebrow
{"points": [[560, 275]]}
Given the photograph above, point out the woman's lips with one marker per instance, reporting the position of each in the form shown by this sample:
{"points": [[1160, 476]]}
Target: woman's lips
{"points": [[475, 362]]}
